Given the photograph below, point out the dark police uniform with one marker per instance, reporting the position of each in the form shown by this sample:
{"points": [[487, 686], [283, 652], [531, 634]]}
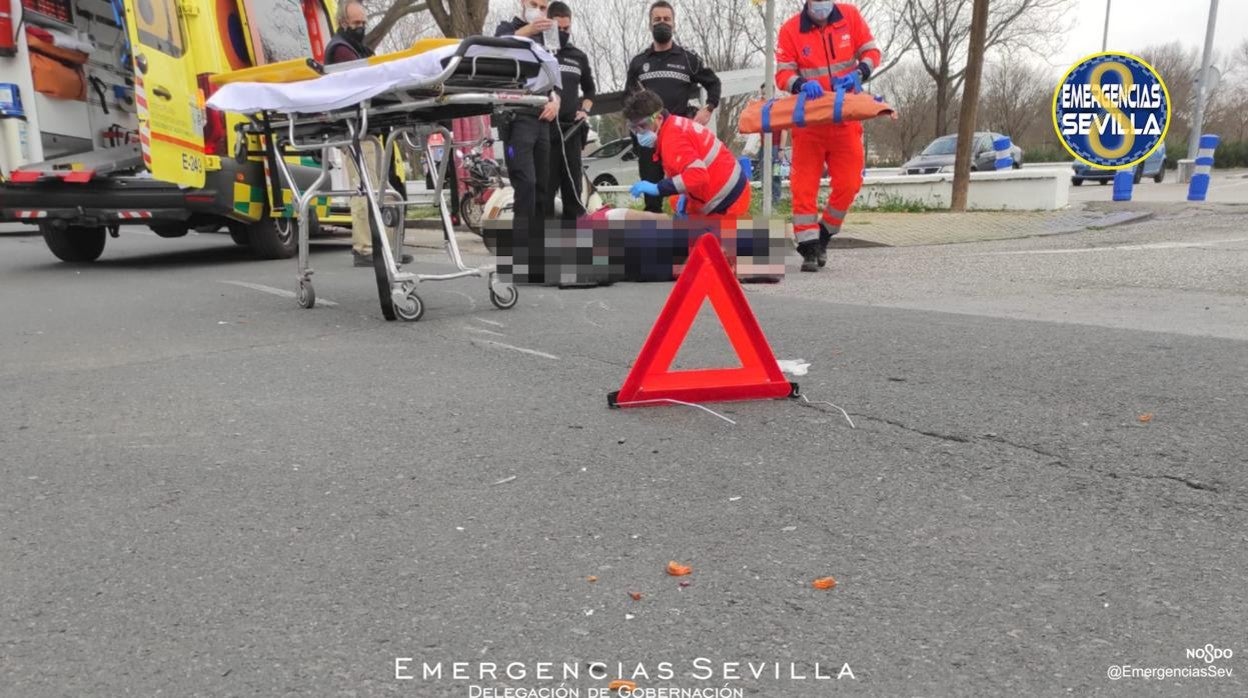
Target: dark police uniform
{"points": [[674, 75], [526, 143], [565, 155]]}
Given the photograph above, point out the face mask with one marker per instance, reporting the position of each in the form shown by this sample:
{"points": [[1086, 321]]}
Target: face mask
{"points": [[354, 34], [532, 14], [820, 10], [662, 33], [564, 38], [647, 139]]}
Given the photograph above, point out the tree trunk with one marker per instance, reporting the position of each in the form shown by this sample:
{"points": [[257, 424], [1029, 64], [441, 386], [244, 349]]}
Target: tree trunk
{"points": [[942, 105], [970, 101]]}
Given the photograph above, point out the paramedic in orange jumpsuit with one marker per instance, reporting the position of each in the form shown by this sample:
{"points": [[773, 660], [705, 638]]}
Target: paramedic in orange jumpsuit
{"points": [[826, 43], [696, 164]]}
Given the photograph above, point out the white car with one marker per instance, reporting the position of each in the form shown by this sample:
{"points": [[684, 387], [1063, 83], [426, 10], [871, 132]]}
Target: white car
{"points": [[613, 164]]}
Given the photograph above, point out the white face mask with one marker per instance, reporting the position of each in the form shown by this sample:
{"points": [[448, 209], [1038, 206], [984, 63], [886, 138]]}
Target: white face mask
{"points": [[532, 14]]}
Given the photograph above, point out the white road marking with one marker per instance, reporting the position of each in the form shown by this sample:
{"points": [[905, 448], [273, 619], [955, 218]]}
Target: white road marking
{"points": [[1125, 248], [522, 350], [277, 291], [482, 330], [490, 322]]}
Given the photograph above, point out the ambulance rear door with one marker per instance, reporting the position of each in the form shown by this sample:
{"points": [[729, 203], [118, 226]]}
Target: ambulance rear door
{"points": [[171, 119]]}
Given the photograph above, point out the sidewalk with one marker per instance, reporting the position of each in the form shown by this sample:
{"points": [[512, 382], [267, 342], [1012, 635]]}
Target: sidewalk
{"points": [[873, 229]]}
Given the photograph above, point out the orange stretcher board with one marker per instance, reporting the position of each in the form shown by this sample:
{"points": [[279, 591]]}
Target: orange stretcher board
{"points": [[794, 111]]}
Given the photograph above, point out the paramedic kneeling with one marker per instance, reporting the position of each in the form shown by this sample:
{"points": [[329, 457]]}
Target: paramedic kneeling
{"points": [[526, 139], [825, 44], [348, 45], [695, 163]]}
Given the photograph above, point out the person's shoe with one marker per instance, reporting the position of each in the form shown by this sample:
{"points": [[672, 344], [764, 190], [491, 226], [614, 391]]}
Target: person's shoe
{"points": [[809, 251], [366, 260], [825, 237]]}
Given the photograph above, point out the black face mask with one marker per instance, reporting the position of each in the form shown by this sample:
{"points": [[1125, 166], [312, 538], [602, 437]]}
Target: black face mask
{"points": [[565, 38], [354, 34], [662, 33]]}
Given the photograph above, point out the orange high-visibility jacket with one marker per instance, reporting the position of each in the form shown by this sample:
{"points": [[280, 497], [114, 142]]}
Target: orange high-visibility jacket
{"points": [[806, 51], [699, 165]]}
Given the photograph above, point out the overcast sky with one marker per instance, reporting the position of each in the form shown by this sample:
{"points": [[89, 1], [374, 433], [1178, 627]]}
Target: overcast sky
{"points": [[1134, 24]]}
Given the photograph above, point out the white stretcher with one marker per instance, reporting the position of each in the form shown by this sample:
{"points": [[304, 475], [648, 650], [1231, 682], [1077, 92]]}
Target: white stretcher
{"points": [[302, 107]]}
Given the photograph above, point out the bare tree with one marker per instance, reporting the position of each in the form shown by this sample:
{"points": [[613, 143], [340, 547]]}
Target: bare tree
{"points": [[456, 18], [1015, 95], [940, 32], [966, 120], [909, 90]]}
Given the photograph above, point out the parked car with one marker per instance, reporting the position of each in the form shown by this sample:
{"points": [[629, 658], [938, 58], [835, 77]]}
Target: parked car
{"points": [[939, 155], [613, 164], [1154, 166]]}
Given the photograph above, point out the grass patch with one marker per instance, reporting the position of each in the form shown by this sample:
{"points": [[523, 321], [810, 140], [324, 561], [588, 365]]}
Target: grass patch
{"points": [[889, 203]]}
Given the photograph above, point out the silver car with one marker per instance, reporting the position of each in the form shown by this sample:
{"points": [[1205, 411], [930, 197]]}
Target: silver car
{"points": [[938, 156], [613, 164]]}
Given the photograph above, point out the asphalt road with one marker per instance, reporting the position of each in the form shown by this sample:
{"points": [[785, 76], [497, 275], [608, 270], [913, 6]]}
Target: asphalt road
{"points": [[208, 491]]}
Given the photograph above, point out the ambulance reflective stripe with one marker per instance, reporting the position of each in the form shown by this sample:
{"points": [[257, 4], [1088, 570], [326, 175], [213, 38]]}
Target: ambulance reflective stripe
{"points": [[145, 122], [133, 215], [31, 214]]}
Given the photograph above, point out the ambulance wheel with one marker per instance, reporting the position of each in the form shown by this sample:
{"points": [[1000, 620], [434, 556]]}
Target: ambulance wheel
{"points": [[412, 308], [505, 301], [306, 295], [74, 243], [239, 234], [1077, 181], [274, 238], [1139, 174]]}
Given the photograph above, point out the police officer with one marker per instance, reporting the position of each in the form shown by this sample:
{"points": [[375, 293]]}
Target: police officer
{"points": [[568, 136], [526, 138], [348, 45], [674, 74]]}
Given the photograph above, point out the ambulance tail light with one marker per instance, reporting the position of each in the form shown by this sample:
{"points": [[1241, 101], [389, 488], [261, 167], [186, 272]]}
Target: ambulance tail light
{"points": [[215, 133]]}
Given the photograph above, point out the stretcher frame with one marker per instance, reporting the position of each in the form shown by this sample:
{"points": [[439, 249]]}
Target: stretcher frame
{"points": [[408, 114]]}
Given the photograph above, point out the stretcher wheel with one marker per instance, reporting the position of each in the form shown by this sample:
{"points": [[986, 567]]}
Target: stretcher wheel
{"points": [[507, 300], [412, 308], [306, 295]]}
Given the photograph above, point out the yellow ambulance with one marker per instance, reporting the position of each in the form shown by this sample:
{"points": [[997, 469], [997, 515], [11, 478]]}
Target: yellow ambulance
{"points": [[175, 169]]}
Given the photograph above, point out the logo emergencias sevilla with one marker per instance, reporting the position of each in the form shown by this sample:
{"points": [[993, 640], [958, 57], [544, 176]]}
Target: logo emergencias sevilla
{"points": [[1111, 110]]}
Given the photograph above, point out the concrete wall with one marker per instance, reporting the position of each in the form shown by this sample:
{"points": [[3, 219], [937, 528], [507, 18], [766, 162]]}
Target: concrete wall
{"points": [[1028, 189]]}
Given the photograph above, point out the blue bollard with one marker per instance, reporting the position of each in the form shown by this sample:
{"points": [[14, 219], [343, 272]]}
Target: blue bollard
{"points": [[1124, 182], [1002, 146], [1199, 186]]}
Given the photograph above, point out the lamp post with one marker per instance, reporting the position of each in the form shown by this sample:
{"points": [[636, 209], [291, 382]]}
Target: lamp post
{"points": [[1105, 35], [1202, 84]]}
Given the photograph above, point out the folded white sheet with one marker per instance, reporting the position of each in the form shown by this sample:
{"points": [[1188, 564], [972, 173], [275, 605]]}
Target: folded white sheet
{"points": [[349, 87]]}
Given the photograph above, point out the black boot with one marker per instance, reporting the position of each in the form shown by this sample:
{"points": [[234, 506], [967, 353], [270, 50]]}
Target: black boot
{"points": [[825, 237], [809, 251]]}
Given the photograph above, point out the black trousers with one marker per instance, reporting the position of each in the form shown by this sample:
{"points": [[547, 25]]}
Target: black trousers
{"points": [[650, 171], [527, 153], [565, 166]]}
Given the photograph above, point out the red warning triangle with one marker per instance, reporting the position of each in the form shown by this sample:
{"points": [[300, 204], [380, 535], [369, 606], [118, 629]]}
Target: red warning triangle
{"points": [[706, 275]]}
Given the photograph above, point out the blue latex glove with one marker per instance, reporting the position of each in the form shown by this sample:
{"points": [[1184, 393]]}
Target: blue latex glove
{"points": [[812, 90], [850, 83], [681, 204], [644, 187]]}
